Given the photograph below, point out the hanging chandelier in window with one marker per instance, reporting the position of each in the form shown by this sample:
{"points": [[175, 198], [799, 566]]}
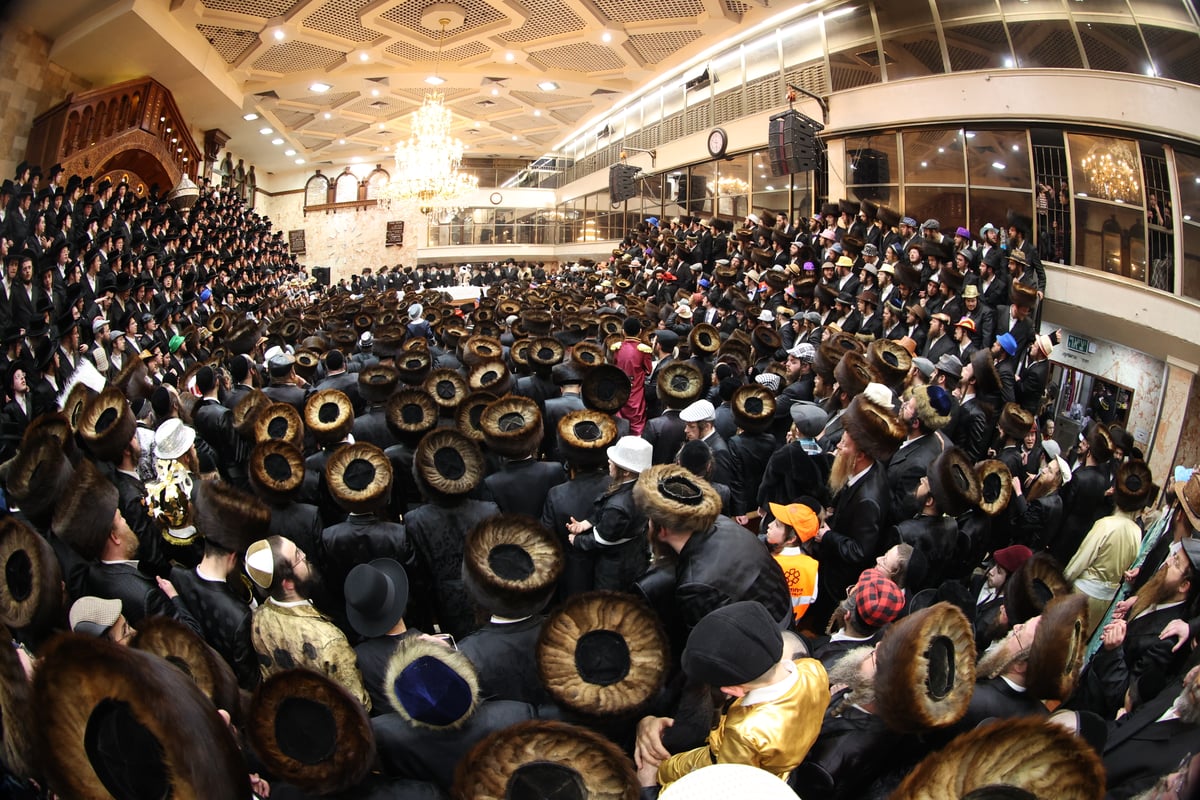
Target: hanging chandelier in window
{"points": [[428, 165], [1111, 171]]}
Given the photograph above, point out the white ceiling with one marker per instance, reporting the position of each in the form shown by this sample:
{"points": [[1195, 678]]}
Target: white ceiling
{"points": [[226, 58]]}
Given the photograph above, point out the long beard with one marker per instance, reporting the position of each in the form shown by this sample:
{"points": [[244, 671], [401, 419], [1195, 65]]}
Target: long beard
{"points": [[843, 468], [846, 671], [1153, 592], [1188, 704], [995, 659]]}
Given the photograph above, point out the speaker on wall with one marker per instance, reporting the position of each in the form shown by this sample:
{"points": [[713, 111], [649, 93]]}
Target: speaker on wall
{"points": [[870, 168], [321, 274], [622, 182], [792, 145]]}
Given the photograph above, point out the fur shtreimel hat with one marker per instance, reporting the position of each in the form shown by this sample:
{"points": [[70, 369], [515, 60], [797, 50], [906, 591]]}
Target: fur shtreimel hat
{"points": [[953, 482], [430, 685], [1021, 757], [933, 406], [447, 464], [31, 586], [411, 413], [329, 414], [376, 384], [854, 373], [512, 426], [890, 359], [831, 351], [753, 407], [1038, 581], [1134, 486], [605, 388], [310, 732], [359, 477], [107, 424], [246, 412], [872, 424], [679, 383], [490, 376], [276, 471], [1057, 651], [995, 486], [119, 722], [671, 496], [584, 437], [1015, 421], [173, 641], [446, 387], [39, 476], [281, 422], [229, 517], [542, 759], [511, 565], [926, 672], [603, 654], [470, 412], [83, 518]]}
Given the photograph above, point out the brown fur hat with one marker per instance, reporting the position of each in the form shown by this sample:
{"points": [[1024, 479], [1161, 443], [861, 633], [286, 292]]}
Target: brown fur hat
{"points": [[926, 672], [584, 437], [674, 498], [31, 587], [481, 348], [1035, 583], [1100, 442], [246, 412], [376, 384], [587, 354], [1022, 295], [38, 477], [545, 352], [605, 388], [279, 421], [306, 364], [241, 340], [310, 732], [511, 565], [276, 471], [107, 424], [545, 759], [874, 427], [853, 373], [490, 376], [1015, 421], [83, 517], [1056, 654], [172, 640], [890, 359], [831, 351], [753, 407], [1027, 756], [447, 388], [229, 517], [359, 477], [413, 365], [133, 381], [431, 686], [57, 425], [953, 482], [603, 654], [329, 414], [447, 464], [907, 274], [75, 401], [987, 379], [933, 406], [113, 717], [16, 699], [1134, 486], [411, 413], [704, 338], [995, 486], [679, 384], [512, 426], [470, 412], [765, 340]]}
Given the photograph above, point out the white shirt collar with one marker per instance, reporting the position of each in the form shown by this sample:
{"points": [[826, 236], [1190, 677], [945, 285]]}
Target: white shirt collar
{"points": [[1015, 687], [498, 620], [842, 636], [289, 603], [856, 477], [767, 694]]}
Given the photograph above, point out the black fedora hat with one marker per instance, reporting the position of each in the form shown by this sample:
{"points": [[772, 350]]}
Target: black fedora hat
{"points": [[376, 596]]}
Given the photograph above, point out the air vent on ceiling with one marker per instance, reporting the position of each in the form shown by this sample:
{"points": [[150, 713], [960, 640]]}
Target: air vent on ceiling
{"points": [[379, 104], [604, 91], [487, 81], [267, 95], [378, 80], [486, 103]]}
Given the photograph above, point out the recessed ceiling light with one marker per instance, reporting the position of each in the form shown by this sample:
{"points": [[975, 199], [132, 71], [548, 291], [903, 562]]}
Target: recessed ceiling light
{"points": [[381, 126], [466, 147], [537, 112], [277, 141], [341, 141], [477, 123], [289, 152], [328, 115], [266, 131], [510, 56], [435, 80], [374, 93], [548, 86], [299, 160], [514, 138], [250, 117], [495, 92], [606, 37], [279, 34], [319, 87], [364, 56]]}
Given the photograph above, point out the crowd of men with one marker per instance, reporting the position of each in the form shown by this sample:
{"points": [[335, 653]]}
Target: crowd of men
{"points": [[262, 538]]}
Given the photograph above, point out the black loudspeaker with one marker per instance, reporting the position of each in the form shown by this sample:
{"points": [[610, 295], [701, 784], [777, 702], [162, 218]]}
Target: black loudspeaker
{"points": [[870, 168], [322, 275], [792, 143], [622, 182], [690, 192]]}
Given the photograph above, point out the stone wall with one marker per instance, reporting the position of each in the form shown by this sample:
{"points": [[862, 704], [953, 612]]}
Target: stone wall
{"points": [[29, 84]]}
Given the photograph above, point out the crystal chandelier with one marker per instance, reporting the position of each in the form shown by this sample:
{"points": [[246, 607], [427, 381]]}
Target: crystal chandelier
{"points": [[1111, 172], [427, 165]]}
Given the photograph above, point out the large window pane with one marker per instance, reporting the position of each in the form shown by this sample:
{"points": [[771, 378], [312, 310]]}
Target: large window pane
{"points": [[733, 187], [913, 54], [1111, 239], [933, 156], [853, 52], [1191, 260], [1188, 168], [983, 45], [949, 10], [1176, 53], [946, 204], [762, 56], [1045, 44], [998, 158], [993, 205], [1106, 168], [1115, 48], [1170, 10], [872, 160], [898, 15]]}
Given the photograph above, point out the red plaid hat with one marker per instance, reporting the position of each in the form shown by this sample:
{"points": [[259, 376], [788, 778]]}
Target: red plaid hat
{"points": [[877, 599]]}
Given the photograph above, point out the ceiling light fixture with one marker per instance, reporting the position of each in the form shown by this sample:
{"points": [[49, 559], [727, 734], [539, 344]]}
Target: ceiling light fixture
{"points": [[606, 36], [548, 86], [328, 115], [319, 88], [289, 152], [266, 131], [341, 141], [435, 80], [299, 160], [277, 141], [495, 92], [364, 56], [537, 112], [510, 56], [374, 93], [250, 117], [279, 34]]}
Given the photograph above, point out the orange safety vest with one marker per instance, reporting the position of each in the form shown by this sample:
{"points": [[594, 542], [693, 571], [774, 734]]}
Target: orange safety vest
{"points": [[801, 573]]}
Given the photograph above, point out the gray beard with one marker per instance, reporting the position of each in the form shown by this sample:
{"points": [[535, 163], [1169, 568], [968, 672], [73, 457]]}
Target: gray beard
{"points": [[995, 660], [846, 671]]}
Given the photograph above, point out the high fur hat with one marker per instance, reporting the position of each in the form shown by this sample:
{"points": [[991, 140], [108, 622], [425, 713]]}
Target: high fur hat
{"points": [[413, 365], [1015, 422], [117, 721], [56, 425], [765, 340], [447, 464], [890, 359], [753, 407], [512, 426], [605, 388], [1134, 486], [854, 373], [995, 486], [953, 482], [481, 348], [411, 413], [83, 517], [446, 387], [542, 759], [107, 424], [872, 424], [889, 216], [376, 384], [38, 477], [704, 338], [133, 381], [511, 565], [907, 274], [329, 414], [18, 725], [587, 354], [276, 471], [359, 477], [1022, 295], [603, 654], [431, 686], [545, 352], [1100, 442], [679, 384], [470, 412], [170, 639], [584, 437], [310, 732], [674, 498], [279, 421], [76, 400], [490, 376], [1019, 757], [987, 378], [926, 672], [31, 586], [1035, 583], [832, 350], [241, 340], [246, 412], [229, 517], [1058, 647]]}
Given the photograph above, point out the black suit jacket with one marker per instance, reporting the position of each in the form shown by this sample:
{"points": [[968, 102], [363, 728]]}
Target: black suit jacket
{"points": [[139, 594], [1031, 384], [854, 539], [666, 435], [505, 658], [521, 487], [224, 621], [1140, 750], [722, 459], [904, 473], [995, 698]]}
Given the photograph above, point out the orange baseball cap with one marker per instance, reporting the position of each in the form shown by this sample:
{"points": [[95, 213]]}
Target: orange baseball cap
{"points": [[800, 517]]}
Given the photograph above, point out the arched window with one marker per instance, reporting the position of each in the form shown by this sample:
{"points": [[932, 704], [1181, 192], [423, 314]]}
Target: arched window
{"points": [[316, 191], [378, 179], [347, 187]]}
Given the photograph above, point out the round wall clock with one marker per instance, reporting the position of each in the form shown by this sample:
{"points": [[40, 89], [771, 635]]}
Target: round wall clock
{"points": [[496, 198], [717, 142]]}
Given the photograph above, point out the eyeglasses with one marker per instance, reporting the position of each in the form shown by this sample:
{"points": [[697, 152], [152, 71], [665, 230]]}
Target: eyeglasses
{"points": [[1017, 636]]}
